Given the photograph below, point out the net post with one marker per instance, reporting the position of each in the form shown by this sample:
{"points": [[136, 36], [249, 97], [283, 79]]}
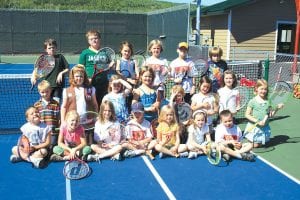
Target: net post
{"points": [[266, 68]]}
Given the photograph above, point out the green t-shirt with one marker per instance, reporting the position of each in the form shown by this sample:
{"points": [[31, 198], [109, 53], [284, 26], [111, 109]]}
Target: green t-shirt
{"points": [[259, 109]]}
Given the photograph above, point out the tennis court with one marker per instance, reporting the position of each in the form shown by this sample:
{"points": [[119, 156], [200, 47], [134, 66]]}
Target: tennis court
{"points": [[274, 175]]}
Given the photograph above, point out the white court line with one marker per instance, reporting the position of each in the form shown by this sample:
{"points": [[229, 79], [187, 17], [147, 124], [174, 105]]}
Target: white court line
{"points": [[159, 179], [68, 190], [279, 170]]}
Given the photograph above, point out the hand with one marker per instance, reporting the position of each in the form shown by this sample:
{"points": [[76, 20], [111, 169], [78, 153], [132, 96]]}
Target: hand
{"points": [[237, 145], [33, 80], [72, 153], [59, 77], [206, 105], [177, 80], [193, 90]]}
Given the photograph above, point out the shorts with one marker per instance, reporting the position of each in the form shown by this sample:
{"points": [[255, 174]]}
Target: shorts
{"points": [[259, 135], [59, 150]]}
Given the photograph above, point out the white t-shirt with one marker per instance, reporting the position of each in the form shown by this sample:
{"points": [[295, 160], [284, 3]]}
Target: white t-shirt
{"points": [[109, 133], [228, 99], [36, 134], [222, 133], [200, 98], [140, 131], [197, 134]]}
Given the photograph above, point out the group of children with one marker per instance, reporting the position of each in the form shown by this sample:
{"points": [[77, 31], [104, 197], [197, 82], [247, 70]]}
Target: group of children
{"points": [[134, 117]]}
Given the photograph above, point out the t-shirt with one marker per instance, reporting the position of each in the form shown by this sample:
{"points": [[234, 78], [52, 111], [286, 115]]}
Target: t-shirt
{"points": [[109, 132], [168, 132], [72, 139], [36, 134], [137, 132], [200, 98], [198, 134], [228, 99], [119, 102], [223, 133], [215, 72], [260, 108]]}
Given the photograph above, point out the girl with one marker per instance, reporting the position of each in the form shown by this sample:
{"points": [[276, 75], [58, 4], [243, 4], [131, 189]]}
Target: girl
{"points": [[258, 109], [205, 100], [228, 83], [71, 140], [79, 96], [118, 91], [107, 134], [168, 139], [38, 135], [198, 134], [126, 66], [147, 95], [158, 64]]}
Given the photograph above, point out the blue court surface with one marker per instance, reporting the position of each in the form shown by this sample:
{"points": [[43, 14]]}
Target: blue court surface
{"points": [[140, 178]]}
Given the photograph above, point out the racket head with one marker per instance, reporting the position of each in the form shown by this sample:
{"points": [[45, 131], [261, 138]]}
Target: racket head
{"points": [[44, 65], [103, 59], [139, 59], [200, 67], [24, 147], [213, 153], [135, 131], [243, 96], [76, 169], [281, 91], [184, 111], [88, 120], [125, 73], [115, 132]]}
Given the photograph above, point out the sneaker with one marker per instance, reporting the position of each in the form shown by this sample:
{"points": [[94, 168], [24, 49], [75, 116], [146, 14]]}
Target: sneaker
{"points": [[93, 158], [226, 157], [129, 154], [84, 157], [161, 155], [247, 157], [184, 154], [38, 162], [192, 155], [56, 158], [117, 157], [15, 159]]}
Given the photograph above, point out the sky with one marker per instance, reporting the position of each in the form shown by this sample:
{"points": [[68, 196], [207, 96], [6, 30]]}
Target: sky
{"points": [[203, 2]]}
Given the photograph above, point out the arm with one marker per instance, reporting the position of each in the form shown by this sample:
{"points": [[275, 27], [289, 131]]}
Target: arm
{"points": [[44, 144]]}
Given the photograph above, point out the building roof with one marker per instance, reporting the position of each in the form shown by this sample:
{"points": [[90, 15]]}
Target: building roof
{"points": [[224, 7]]}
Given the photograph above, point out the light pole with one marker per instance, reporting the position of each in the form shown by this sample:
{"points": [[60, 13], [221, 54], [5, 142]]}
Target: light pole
{"points": [[198, 16]]}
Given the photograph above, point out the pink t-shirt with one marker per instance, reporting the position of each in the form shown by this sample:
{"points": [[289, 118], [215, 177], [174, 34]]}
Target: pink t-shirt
{"points": [[72, 139]]}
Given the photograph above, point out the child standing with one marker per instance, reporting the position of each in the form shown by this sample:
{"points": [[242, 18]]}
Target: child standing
{"points": [[107, 134], [118, 91], [181, 71], [56, 76], [88, 58], [38, 135], [258, 110], [168, 136], [48, 109], [216, 67], [205, 100], [71, 140], [228, 136], [147, 95], [139, 136], [198, 134]]}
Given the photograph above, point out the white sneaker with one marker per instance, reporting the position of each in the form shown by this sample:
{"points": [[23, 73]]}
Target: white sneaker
{"points": [[161, 155], [15, 159], [92, 158], [129, 154], [116, 157], [192, 155], [36, 162], [183, 154]]}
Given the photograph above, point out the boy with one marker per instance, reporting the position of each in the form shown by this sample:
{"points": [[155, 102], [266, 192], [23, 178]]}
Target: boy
{"points": [[138, 133], [88, 58], [38, 135], [48, 109], [56, 76], [216, 67], [181, 71], [229, 135]]}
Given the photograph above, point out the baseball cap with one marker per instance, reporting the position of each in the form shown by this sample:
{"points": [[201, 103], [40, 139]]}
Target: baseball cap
{"points": [[183, 44], [137, 107]]}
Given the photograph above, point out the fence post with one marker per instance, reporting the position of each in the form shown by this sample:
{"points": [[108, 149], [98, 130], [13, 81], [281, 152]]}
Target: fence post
{"points": [[266, 64]]}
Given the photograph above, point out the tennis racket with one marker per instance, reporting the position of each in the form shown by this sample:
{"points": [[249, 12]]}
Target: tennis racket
{"points": [[102, 60], [140, 58], [24, 148], [88, 120], [214, 155], [115, 134], [200, 68], [184, 112], [76, 169], [242, 98], [281, 91], [43, 66]]}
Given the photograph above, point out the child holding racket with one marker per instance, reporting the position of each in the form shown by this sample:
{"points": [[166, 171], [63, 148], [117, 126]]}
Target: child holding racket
{"points": [[158, 64], [181, 71], [38, 135], [257, 112], [146, 94], [89, 57], [48, 109], [107, 134], [71, 140], [216, 67], [60, 68], [229, 138], [118, 90], [198, 134], [138, 134], [205, 100], [168, 136]]}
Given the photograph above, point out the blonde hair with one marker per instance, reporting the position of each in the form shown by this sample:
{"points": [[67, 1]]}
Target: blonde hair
{"points": [[178, 89], [110, 105], [29, 109], [215, 51], [259, 83], [155, 42], [43, 85], [112, 78], [163, 114], [81, 69], [93, 32], [73, 113]]}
